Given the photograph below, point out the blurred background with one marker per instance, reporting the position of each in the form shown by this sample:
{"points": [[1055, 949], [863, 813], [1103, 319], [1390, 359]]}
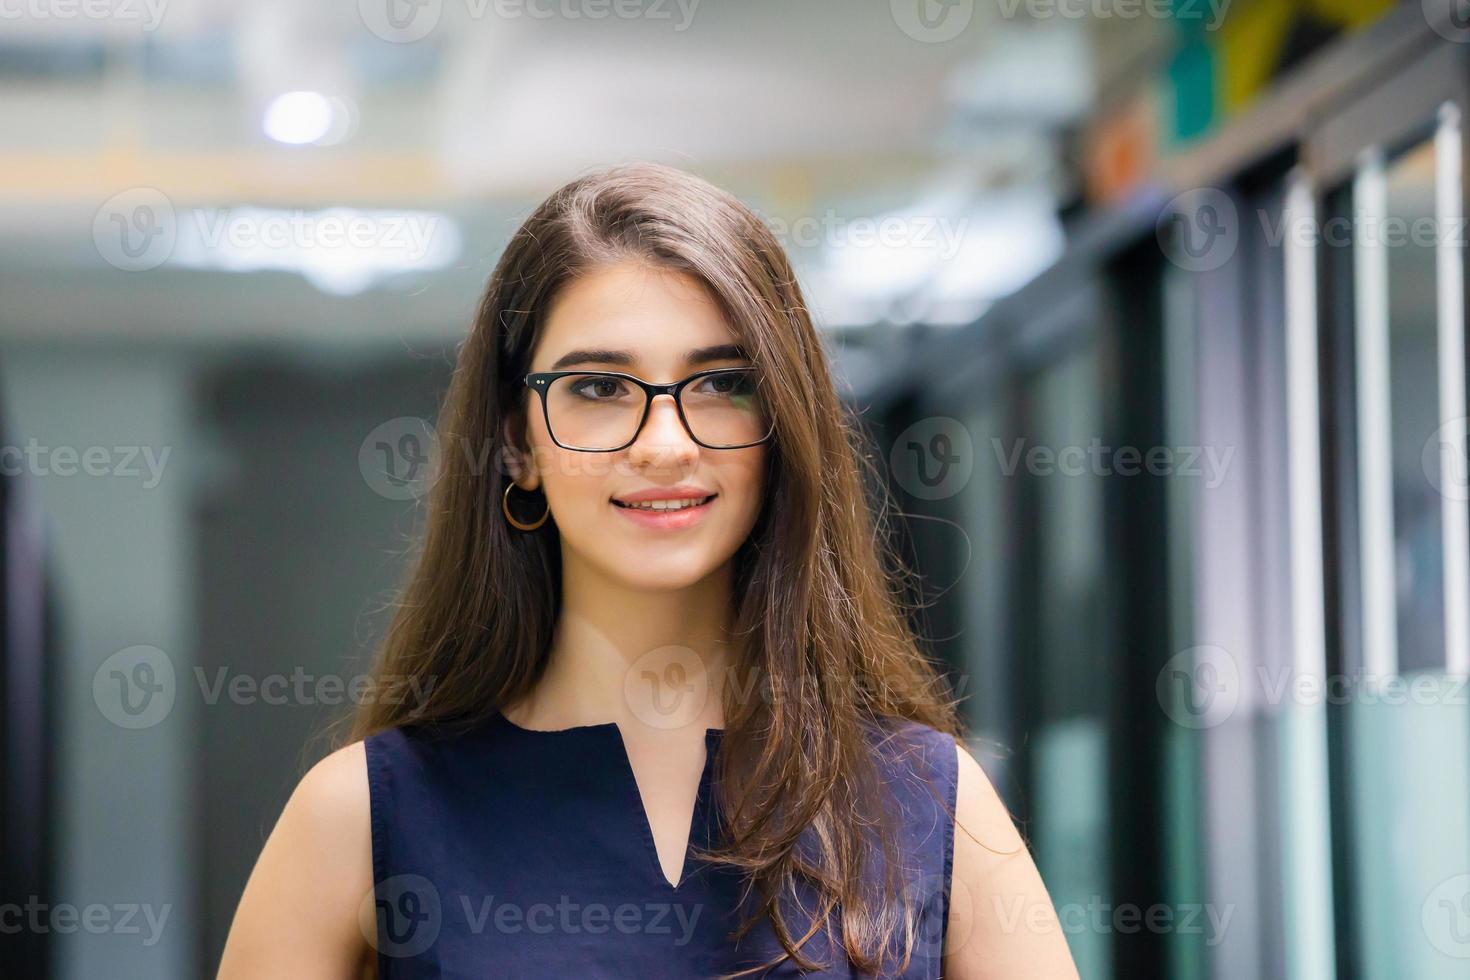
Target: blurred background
{"points": [[1155, 309]]}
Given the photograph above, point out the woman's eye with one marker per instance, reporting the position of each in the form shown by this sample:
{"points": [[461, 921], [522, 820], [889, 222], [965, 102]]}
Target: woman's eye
{"points": [[729, 384], [598, 388]]}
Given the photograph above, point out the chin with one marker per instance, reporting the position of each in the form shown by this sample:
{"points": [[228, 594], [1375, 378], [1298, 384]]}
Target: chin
{"points": [[650, 572], [654, 579]]}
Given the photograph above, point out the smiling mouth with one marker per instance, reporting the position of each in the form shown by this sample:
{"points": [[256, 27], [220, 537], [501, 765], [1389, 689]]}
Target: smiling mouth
{"points": [[667, 506]]}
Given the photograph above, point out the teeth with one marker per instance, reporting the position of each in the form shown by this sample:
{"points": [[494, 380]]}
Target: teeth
{"points": [[665, 504]]}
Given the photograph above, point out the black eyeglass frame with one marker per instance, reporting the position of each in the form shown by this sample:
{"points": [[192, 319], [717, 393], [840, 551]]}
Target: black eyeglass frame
{"points": [[540, 381]]}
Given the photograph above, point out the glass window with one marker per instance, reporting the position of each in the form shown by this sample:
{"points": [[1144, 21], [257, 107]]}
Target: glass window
{"points": [[1407, 732], [1072, 656]]}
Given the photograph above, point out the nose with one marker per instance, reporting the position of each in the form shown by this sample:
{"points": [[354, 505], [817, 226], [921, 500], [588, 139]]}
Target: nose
{"points": [[663, 440]]}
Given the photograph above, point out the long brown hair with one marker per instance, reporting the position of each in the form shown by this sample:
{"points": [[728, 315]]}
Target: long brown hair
{"points": [[820, 627]]}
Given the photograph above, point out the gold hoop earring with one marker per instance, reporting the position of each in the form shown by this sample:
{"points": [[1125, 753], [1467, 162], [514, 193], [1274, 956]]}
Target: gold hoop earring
{"points": [[505, 506]]}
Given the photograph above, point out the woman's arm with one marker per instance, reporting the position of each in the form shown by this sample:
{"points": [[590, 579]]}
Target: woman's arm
{"points": [[298, 916], [1002, 924]]}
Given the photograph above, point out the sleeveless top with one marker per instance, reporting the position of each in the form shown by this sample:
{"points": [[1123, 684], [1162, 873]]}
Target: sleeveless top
{"points": [[506, 852]]}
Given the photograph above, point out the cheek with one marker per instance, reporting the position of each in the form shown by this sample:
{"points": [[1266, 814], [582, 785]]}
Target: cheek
{"points": [[748, 482], [567, 476], [575, 483]]}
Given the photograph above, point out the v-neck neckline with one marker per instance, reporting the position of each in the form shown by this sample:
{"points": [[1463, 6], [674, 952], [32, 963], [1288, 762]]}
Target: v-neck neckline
{"points": [[630, 777]]}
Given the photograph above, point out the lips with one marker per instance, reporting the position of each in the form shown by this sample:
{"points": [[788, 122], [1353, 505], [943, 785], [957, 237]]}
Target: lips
{"points": [[677, 494], [663, 512], [664, 505]]}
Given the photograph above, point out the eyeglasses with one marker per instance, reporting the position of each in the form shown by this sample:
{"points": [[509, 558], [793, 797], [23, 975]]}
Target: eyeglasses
{"points": [[603, 411]]}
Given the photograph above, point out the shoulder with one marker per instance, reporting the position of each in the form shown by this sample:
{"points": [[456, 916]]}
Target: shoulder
{"points": [[326, 825], [913, 747], [916, 766], [1001, 919], [299, 911], [909, 736], [326, 820], [910, 750], [417, 758], [335, 789], [979, 808]]}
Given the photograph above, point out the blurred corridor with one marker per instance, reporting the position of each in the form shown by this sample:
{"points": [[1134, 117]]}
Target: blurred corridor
{"points": [[1156, 309]]}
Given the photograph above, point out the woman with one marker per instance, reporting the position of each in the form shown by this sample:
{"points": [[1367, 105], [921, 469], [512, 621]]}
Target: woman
{"points": [[650, 706]]}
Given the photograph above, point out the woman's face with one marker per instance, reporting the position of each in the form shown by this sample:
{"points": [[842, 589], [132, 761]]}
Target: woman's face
{"points": [[661, 326]]}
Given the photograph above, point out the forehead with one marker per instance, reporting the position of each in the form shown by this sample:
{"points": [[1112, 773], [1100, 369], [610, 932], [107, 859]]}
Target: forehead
{"points": [[655, 317]]}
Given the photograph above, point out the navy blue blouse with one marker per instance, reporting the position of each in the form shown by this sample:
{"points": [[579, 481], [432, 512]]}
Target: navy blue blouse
{"points": [[503, 852]]}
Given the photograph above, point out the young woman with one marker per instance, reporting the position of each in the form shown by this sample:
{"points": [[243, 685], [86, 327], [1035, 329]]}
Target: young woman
{"points": [[650, 706]]}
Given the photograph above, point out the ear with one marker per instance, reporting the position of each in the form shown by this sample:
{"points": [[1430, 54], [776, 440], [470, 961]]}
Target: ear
{"points": [[515, 459]]}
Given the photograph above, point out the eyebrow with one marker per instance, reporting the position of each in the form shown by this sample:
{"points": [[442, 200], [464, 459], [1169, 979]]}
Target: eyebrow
{"points": [[602, 355]]}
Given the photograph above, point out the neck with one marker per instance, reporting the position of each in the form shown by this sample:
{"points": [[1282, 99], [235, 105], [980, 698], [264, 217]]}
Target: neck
{"points": [[646, 660]]}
